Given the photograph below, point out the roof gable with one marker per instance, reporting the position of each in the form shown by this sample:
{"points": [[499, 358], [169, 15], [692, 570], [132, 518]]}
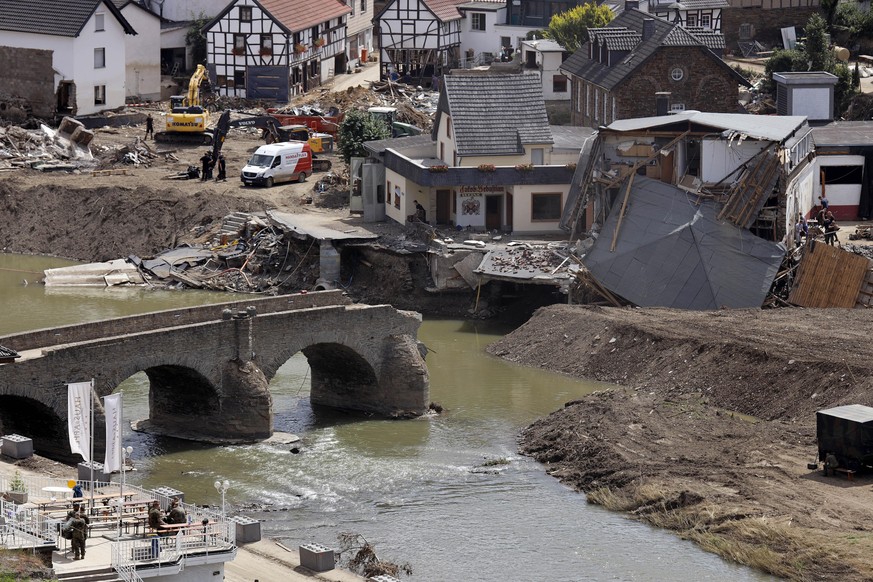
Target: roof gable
{"points": [[54, 18], [619, 34], [494, 114]]}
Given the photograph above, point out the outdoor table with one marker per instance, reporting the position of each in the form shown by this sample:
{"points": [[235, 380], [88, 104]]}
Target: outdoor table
{"points": [[57, 489]]}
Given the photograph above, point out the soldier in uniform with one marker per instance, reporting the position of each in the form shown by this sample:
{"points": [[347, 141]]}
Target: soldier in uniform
{"points": [[80, 534]]}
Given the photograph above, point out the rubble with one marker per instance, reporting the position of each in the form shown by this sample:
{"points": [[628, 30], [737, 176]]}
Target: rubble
{"points": [[46, 149]]}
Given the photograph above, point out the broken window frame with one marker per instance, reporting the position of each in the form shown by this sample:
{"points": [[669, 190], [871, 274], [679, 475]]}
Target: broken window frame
{"points": [[543, 207], [99, 94]]}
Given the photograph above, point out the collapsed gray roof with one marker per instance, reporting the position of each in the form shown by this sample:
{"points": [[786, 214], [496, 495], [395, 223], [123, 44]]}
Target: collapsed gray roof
{"points": [[770, 127], [673, 253]]}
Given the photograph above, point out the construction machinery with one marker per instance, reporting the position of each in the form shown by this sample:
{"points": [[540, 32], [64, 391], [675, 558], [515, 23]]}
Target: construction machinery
{"points": [[273, 133], [187, 120], [389, 116]]}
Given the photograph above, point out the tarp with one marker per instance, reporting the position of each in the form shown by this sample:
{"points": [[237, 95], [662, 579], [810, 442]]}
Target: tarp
{"points": [[671, 252]]}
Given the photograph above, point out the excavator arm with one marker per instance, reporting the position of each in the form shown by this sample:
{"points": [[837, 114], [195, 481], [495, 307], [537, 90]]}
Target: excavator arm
{"points": [[194, 85]]}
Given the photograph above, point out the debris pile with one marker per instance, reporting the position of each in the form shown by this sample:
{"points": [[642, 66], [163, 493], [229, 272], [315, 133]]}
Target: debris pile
{"points": [[45, 149]]}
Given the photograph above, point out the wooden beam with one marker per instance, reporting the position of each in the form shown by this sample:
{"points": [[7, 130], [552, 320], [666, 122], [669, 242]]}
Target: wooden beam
{"points": [[630, 184]]}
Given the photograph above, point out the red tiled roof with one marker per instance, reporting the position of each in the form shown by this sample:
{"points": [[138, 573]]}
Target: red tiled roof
{"points": [[302, 14], [445, 9]]}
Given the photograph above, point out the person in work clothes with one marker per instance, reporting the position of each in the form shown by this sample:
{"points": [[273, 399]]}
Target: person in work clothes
{"points": [[222, 169], [80, 534], [206, 166], [150, 127]]}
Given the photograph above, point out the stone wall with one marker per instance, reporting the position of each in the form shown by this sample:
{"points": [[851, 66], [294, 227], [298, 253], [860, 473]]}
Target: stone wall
{"points": [[27, 75], [704, 86], [765, 24]]}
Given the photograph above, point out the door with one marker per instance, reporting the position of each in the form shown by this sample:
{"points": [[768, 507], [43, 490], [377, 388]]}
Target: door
{"points": [[443, 206], [492, 212]]}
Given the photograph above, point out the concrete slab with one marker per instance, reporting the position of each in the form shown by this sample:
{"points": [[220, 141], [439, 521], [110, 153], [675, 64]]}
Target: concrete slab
{"points": [[320, 227]]}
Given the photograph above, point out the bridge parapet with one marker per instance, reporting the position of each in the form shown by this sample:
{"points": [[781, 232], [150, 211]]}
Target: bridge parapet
{"points": [[120, 326]]}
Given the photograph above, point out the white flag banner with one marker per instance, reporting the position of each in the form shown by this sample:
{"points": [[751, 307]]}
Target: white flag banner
{"points": [[79, 418], [112, 406]]}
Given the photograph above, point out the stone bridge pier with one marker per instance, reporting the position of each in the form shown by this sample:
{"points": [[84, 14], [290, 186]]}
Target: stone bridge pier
{"points": [[209, 368]]}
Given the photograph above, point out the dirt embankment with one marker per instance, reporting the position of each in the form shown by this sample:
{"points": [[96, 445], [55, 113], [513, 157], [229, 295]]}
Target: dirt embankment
{"points": [[668, 449]]}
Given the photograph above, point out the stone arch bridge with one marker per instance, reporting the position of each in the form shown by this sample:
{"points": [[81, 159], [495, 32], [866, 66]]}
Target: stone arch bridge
{"points": [[209, 367]]}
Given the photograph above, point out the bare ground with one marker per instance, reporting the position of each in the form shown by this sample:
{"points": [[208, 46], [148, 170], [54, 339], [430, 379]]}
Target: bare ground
{"points": [[676, 448]]}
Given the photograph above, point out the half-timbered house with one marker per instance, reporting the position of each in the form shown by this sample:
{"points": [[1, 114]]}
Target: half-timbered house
{"points": [[690, 13], [275, 49], [419, 38]]}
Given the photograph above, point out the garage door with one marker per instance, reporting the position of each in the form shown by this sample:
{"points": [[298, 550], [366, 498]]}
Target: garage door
{"points": [[267, 83]]}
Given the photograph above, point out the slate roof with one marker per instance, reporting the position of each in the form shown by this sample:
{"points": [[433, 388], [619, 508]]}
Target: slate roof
{"points": [[120, 4], [294, 15], [54, 18], [665, 34], [711, 38], [494, 114]]}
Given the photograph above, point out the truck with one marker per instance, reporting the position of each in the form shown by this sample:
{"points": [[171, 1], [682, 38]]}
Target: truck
{"points": [[187, 120], [278, 162], [847, 432]]}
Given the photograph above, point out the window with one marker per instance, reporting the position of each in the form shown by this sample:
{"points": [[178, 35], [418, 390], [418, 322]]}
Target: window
{"points": [[266, 44], [706, 21], [536, 156], [677, 107], [221, 80], [477, 21], [448, 127], [690, 20], [545, 207], [99, 94], [443, 151], [351, 4], [363, 5], [239, 44], [559, 84], [239, 78], [245, 13], [677, 74], [99, 22], [746, 31], [99, 58]]}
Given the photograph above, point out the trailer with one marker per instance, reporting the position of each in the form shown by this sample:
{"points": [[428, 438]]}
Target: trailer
{"points": [[847, 432]]}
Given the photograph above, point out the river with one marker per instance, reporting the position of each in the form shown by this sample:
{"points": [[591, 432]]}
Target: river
{"points": [[447, 494]]}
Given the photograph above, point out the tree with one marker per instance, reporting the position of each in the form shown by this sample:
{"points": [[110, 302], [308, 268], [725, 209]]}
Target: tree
{"points": [[816, 45], [357, 127], [570, 29], [197, 40]]}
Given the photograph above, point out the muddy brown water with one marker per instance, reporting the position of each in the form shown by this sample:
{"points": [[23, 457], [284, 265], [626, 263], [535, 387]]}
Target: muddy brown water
{"points": [[447, 494]]}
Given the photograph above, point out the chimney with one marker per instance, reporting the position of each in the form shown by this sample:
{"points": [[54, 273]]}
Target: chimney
{"points": [[662, 103], [631, 4], [648, 28]]}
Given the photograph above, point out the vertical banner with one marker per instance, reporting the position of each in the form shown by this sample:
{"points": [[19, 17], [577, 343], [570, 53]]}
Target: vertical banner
{"points": [[112, 406], [79, 418]]}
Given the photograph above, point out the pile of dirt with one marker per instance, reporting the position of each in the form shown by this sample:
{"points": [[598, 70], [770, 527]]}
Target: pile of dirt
{"points": [[672, 449]]}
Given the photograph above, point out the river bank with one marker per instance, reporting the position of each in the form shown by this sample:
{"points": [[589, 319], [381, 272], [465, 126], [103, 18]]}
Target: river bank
{"points": [[676, 449]]}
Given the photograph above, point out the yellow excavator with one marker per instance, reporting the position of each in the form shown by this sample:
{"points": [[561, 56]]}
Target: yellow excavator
{"points": [[187, 120]]}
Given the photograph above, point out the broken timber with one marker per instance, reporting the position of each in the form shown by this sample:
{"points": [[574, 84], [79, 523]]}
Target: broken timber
{"points": [[749, 191]]}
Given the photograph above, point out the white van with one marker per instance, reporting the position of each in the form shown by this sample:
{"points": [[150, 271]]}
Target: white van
{"points": [[278, 162]]}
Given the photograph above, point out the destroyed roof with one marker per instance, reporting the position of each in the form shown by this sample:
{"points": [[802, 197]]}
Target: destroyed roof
{"points": [[545, 46], [494, 114], [673, 252], [53, 18], [665, 34], [843, 133], [770, 127], [8, 353], [378, 146], [294, 15]]}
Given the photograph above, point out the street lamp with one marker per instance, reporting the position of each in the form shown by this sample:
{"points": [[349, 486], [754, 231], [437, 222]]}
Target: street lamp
{"points": [[125, 456], [222, 487]]}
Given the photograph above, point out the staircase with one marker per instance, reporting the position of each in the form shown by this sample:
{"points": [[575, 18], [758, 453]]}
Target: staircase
{"points": [[96, 575]]}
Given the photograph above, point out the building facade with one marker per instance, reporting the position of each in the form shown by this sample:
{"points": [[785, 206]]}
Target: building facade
{"points": [[275, 49]]}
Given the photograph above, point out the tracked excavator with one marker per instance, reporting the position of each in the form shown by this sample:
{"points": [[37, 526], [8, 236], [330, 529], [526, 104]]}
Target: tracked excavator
{"points": [[273, 133], [187, 120]]}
